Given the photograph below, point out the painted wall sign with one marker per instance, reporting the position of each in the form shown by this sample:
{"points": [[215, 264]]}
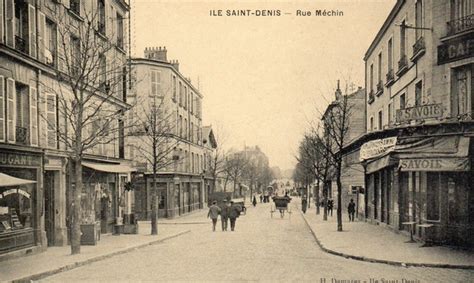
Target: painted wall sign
{"points": [[456, 49], [376, 148], [19, 159], [434, 164], [419, 112]]}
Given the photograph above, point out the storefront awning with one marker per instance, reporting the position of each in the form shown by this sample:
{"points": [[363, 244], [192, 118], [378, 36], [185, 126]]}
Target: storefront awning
{"points": [[379, 163], [448, 153], [7, 181], [109, 168]]}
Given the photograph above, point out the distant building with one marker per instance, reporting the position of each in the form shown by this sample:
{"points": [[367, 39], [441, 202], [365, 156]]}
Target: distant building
{"points": [[181, 182]]}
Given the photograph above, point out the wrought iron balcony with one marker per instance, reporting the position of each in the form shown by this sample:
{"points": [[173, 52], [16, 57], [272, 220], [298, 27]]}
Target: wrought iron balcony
{"points": [[20, 44], [371, 97], [402, 65], [22, 135], [390, 78], [379, 88], [461, 25], [419, 49]]}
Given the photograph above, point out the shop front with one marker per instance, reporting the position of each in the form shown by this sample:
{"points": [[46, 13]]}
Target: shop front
{"points": [[20, 201], [423, 185]]}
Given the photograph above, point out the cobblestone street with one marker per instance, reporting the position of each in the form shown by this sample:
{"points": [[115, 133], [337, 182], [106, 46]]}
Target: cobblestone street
{"points": [[261, 249]]}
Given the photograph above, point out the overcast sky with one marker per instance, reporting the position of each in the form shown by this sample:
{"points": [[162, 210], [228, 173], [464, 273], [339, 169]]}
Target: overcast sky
{"points": [[263, 78]]}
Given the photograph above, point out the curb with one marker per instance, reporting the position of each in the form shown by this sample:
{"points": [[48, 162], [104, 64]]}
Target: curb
{"points": [[183, 223], [71, 266], [374, 260]]}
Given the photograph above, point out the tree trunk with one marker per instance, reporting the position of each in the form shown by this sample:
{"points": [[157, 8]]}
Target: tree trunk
{"points": [[339, 197], [317, 199], [76, 208], [325, 201]]}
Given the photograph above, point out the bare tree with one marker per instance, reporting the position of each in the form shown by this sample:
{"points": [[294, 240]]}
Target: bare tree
{"points": [[218, 159], [156, 143], [88, 94], [235, 167]]}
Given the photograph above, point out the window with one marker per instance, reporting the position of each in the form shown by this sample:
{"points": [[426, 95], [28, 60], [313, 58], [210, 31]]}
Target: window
{"points": [[22, 113], [180, 94], [371, 123], [50, 43], [120, 38], [462, 90], [419, 18], [402, 101], [75, 56], [75, 6], [11, 110], [418, 93], [174, 88], [390, 54], [2, 109], [462, 13], [191, 102], [371, 77], [101, 12], [402, 40], [389, 113], [192, 132], [180, 126], [186, 128], [185, 97], [380, 120], [21, 26], [155, 82], [192, 162], [379, 79], [102, 72], [51, 119]]}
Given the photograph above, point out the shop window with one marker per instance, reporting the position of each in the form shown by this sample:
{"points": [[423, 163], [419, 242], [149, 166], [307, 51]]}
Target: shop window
{"points": [[433, 196], [162, 201], [16, 208]]}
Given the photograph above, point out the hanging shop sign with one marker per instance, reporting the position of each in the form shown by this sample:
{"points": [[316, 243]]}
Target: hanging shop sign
{"points": [[377, 148], [420, 112], [434, 164], [456, 49]]}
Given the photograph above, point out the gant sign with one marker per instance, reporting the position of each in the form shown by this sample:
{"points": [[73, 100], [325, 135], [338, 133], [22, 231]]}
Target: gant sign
{"points": [[420, 112]]}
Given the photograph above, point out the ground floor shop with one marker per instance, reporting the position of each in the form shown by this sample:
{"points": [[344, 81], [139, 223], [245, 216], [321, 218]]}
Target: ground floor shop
{"points": [[176, 194], [424, 186], [21, 214]]}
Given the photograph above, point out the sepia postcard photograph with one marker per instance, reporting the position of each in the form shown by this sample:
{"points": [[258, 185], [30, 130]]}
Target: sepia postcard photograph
{"points": [[324, 141]]}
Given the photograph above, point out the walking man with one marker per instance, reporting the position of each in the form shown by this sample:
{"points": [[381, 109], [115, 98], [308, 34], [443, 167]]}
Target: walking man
{"points": [[225, 215], [233, 214], [351, 210], [213, 213], [304, 204], [330, 206]]}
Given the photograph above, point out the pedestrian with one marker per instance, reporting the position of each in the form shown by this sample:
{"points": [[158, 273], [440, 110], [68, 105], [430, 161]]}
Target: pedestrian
{"points": [[213, 213], [304, 204], [351, 210], [261, 198], [330, 206], [234, 212], [225, 215], [254, 201]]}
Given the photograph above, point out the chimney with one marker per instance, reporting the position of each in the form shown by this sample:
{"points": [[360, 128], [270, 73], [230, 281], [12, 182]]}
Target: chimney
{"points": [[156, 53], [175, 65], [338, 92]]}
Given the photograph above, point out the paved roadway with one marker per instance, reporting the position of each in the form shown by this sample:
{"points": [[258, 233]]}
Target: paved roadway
{"points": [[261, 249]]}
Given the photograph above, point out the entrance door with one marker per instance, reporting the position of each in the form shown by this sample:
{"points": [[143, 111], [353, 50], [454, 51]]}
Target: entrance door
{"points": [[49, 206], [376, 195]]}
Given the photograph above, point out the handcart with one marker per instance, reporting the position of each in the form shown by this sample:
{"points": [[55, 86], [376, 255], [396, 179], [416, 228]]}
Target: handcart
{"points": [[281, 204]]}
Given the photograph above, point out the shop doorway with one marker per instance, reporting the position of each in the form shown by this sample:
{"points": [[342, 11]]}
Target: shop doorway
{"points": [[49, 205]]}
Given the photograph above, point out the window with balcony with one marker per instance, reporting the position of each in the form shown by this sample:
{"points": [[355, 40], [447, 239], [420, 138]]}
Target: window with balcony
{"points": [[403, 62], [379, 75], [462, 16], [371, 78], [21, 26], [51, 120], [390, 77], [462, 92], [101, 16]]}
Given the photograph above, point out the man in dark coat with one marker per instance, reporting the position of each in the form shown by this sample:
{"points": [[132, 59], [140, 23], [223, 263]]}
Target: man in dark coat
{"points": [[304, 204], [213, 213], [234, 212], [330, 206], [225, 215], [351, 210]]}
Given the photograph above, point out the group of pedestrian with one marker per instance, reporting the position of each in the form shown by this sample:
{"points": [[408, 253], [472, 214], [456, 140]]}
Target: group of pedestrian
{"points": [[229, 212]]}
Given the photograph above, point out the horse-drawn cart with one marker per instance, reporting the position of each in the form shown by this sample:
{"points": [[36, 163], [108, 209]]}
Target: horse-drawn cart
{"points": [[281, 204]]}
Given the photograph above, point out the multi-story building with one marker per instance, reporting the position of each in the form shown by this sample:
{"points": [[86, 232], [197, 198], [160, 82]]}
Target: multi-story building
{"points": [[210, 144], [417, 151], [35, 214], [181, 174], [352, 174]]}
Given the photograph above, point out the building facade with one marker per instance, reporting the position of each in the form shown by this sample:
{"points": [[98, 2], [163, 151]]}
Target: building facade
{"points": [[181, 173], [32, 63], [417, 150]]}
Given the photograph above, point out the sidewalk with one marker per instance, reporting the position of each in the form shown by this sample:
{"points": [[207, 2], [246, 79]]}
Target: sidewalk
{"points": [[58, 259], [368, 242]]}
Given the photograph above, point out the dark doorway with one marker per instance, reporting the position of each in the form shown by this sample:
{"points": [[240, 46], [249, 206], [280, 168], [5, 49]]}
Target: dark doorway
{"points": [[49, 206]]}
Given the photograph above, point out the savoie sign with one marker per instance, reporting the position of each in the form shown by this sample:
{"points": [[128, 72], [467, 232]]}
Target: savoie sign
{"points": [[420, 112], [376, 148], [434, 164]]}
